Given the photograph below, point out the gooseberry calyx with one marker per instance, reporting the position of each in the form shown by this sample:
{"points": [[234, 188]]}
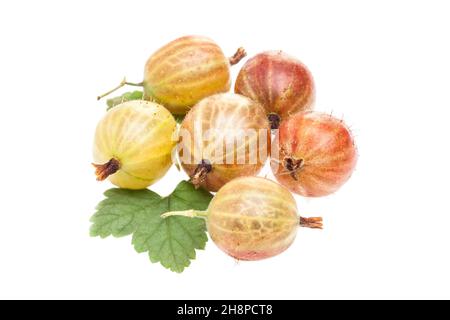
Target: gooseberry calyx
{"points": [[103, 171]]}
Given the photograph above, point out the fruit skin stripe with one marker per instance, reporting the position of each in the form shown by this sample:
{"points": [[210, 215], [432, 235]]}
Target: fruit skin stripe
{"points": [[223, 112], [291, 92], [215, 73], [181, 43], [174, 59], [234, 215], [275, 200], [248, 231]]}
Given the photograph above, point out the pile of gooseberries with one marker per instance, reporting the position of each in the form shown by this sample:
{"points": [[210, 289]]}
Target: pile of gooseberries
{"points": [[224, 140]]}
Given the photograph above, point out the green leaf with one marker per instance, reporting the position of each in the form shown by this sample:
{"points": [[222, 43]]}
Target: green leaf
{"points": [[171, 241], [127, 96], [121, 212]]}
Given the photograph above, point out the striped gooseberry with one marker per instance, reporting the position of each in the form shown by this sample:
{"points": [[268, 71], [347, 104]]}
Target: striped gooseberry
{"points": [[252, 218], [315, 154], [280, 83], [133, 144], [184, 71], [223, 137]]}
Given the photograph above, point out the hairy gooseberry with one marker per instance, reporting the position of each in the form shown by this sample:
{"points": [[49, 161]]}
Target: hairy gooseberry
{"points": [[280, 83], [252, 218], [223, 137], [315, 154], [184, 71], [133, 144]]}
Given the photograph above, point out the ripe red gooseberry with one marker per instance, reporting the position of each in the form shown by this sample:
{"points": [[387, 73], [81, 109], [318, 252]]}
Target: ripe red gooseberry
{"points": [[279, 82], [315, 154]]}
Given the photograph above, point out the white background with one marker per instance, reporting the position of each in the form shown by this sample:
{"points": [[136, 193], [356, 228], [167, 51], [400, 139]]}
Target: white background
{"points": [[382, 65]]}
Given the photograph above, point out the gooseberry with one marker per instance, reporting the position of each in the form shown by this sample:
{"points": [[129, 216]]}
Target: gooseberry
{"points": [[223, 137], [133, 144], [280, 83], [315, 154], [252, 218], [184, 71]]}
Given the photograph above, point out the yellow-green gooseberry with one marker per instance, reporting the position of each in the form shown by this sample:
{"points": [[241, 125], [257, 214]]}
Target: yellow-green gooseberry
{"points": [[133, 144]]}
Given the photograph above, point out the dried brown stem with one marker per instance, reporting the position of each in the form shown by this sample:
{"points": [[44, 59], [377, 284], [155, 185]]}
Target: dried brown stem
{"points": [[313, 223], [103, 171], [200, 173], [238, 56], [274, 120]]}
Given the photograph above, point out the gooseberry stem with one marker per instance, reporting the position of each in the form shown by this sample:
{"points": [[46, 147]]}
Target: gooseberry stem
{"points": [[238, 56], [313, 223], [123, 83], [186, 213]]}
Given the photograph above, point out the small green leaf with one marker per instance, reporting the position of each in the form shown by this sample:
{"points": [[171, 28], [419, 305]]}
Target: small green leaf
{"points": [[127, 96], [171, 241], [121, 212]]}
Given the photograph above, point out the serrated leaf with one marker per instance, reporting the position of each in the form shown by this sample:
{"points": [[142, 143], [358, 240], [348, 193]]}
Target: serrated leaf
{"points": [[172, 241], [127, 96], [121, 212]]}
